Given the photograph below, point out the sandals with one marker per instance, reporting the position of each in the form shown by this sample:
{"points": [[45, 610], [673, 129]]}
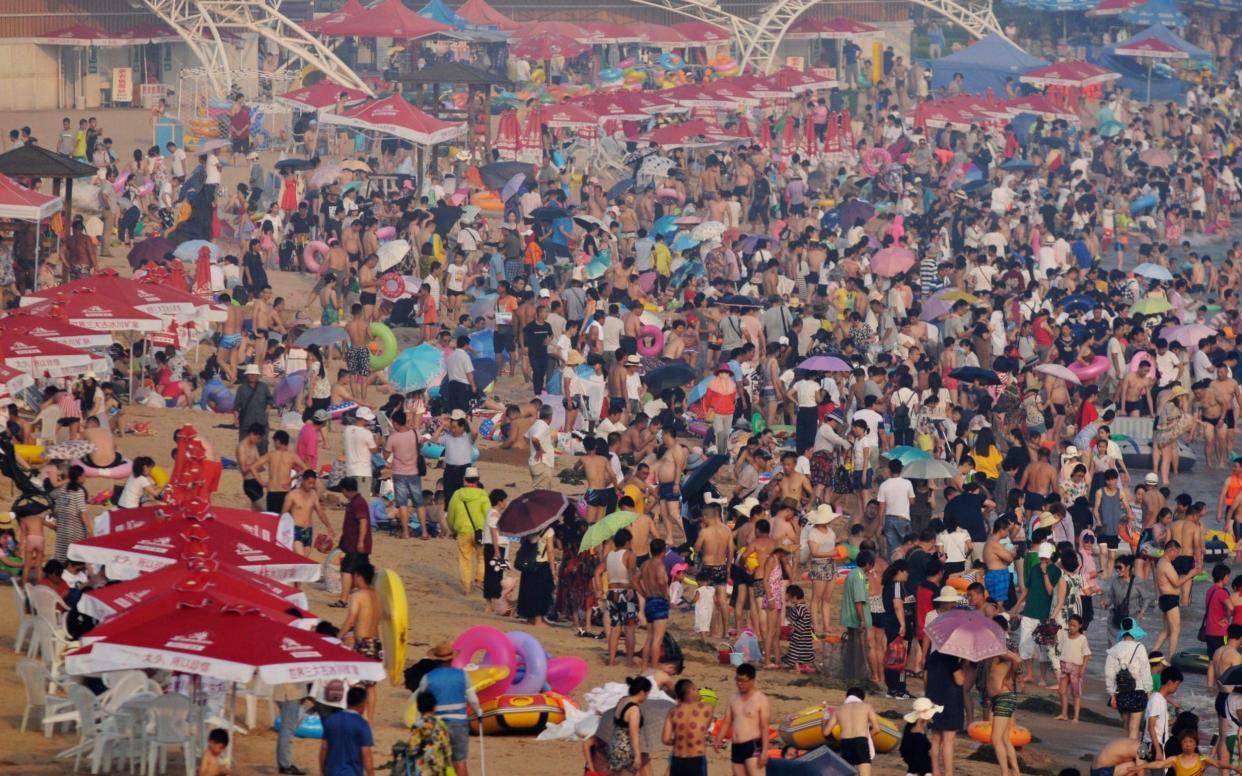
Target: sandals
{"points": [[338, 604]]}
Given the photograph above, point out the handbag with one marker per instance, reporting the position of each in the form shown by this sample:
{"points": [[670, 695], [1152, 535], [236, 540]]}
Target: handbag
{"points": [[1122, 610], [1046, 633], [896, 654]]}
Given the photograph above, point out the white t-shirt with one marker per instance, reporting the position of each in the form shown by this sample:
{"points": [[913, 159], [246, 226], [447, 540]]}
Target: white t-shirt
{"points": [[455, 277], [896, 493], [614, 327], [1166, 366], [457, 367], [1158, 709], [953, 544], [131, 495], [213, 170], [806, 392], [359, 442], [873, 420], [541, 431], [704, 608]]}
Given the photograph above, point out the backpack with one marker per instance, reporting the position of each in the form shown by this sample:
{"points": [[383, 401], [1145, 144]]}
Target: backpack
{"points": [[1124, 680], [902, 420]]}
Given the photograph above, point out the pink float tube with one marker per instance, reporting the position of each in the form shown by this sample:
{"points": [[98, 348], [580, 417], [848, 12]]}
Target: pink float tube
{"points": [[581, 506], [1089, 372], [671, 194], [386, 232], [310, 256], [657, 341], [1139, 358], [497, 650], [119, 472], [530, 653], [876, 159], [565, 673]]}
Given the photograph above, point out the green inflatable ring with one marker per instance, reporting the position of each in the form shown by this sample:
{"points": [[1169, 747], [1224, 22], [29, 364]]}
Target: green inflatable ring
{"points": [[388, 341]]}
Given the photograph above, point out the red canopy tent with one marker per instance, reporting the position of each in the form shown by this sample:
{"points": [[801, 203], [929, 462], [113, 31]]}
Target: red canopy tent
{"points": [[1070, 73], [13, 380], [1150, 48], [264, 526], [389, 19], [698, 34], [40, 357], [142, 34], [1113, 7], [94, 312], [480, 13], [321, 96], [563, 29], [607, 32], [395, 116], [145, 602], [659, 35], [151, 298], [81, 35], [23, 204], [350, 9], [546, 45], [52, 328], [838, 28]]}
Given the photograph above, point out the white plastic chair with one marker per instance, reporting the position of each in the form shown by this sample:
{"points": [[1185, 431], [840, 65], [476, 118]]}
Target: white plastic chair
{"points": [[34, 677], [48, 645], [125, 738], [122, 688], [87, 708], [252, 695], [170, 714], [25, 621]]}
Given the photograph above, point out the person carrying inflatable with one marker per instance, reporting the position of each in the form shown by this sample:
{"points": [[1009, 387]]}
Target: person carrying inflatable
{"points": [[453, 694]]}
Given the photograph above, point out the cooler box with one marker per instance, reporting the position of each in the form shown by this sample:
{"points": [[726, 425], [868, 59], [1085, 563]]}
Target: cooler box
{"points": [[169, 131]]}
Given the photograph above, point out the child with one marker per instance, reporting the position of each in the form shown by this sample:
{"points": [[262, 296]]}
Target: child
{"points": [[915, 746], [215, 762], [1074, 651], [800, 654], [1187, 760], [1156, 658], [704, 610], [429, 744]]}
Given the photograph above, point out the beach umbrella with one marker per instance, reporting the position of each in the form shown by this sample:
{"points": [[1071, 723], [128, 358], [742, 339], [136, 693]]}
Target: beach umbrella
{"points": [[512, 187], [532, 512], [673, 375], [586, 221], [1151, 48], [975, 374], [892, 261], [605, 529], [664, 225], [483, 307], [935, 309], [164, 542], [654, 712], [1154, 272], [1156, 157], [955, 295], [619, 188], [656, 166], [967, 634], [1080, 303], [708, 230], [683, 242], [1149, 306], [495, 175], [226, 644], [188, 250], [168, 601], [485, 371], [547, 46], [700, 478], [323, 336], [905, 453], [825, 364], [392, 253], [54, 329], [1189, 334], [294, 165], [151, 249], [548, 213], [13, 380], [355, 165], [417, 367], [93, 312], [267, 526], [483, 344], [739, 300], [689, 269], [1017, 165], [850, 212], [324, 174], [598, 266], [45, 358], [289, 388], [1059, 371], [104, 602], [1163, 12], [929, 469], [698, 391]]}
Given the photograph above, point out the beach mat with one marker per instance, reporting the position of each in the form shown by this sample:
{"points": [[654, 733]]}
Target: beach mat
{"points": [[817, 762]]}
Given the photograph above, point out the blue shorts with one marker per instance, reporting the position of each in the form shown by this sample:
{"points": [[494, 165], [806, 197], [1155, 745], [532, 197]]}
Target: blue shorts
{"points": [[656, 608], [862, 480], [407, 489], [997, 583], [229, 341], [667, 493], [597, 497]]}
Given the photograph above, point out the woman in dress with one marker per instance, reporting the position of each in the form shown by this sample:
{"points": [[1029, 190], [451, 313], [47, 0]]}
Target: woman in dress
{"points": [[1069, 590], [318, 388], [1171, 422], [944, 687], [68, 509], [537, 586]]}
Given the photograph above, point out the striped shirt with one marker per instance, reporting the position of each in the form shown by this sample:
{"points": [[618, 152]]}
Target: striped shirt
{"points": [[929, 274], [67, 509]]}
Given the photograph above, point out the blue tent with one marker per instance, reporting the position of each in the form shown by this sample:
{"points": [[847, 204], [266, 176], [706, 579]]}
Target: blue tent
{"points": [[983, 65], [1155, 12], [437, 11], [1134, 72]]}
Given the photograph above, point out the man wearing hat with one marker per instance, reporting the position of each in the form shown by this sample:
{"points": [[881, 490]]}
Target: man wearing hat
{"points": [[458, 451], [459, 373], [466, 515], [251, 405], [359, 443], [453, 695]]}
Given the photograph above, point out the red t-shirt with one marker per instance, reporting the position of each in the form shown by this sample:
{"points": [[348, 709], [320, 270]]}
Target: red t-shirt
{"points": [[357, 514]]}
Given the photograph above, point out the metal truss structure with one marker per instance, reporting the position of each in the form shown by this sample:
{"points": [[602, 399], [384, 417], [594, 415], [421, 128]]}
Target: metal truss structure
{"points": [[202, 24]]}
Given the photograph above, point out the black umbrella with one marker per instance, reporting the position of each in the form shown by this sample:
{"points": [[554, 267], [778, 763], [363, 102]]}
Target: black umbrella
{"points": [[698, 480], [532, 512], [739, 300], [672, 375], [619, 188], [495, 176], [484, 372], [294, 165], [975, 374], [547, 213], [853, 210]]}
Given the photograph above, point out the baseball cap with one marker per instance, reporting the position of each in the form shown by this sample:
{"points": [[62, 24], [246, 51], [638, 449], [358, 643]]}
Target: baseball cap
{"points": [[366, 414], [320, 416], [1152, 478], [544, 293], [472, 473], [457, 415], [1045, 551], [252, 369]]}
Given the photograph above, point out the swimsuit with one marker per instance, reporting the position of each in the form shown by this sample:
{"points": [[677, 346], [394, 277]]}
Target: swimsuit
{"points": [[622, 607], [666, 492], [741, 751], [687, 766], [276, 501], [713, 575], [597, 497], [371, 647], [1103, 771], [1004, 704], [997, 583], [1169, 602], [856, 751], [775, 599], [358, 361], [656, 608], [229, 341], [304, 535]]}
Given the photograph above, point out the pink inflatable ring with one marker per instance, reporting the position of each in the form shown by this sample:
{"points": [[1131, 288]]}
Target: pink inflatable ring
{"points": [[311, 256], [497, 650], [1088, 372]]}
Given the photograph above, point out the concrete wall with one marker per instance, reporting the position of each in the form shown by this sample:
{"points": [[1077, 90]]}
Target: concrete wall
{"points": [[29, 77]]}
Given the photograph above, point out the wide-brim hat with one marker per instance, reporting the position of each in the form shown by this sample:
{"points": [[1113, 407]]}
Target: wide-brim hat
{"points": [[442, 651]]}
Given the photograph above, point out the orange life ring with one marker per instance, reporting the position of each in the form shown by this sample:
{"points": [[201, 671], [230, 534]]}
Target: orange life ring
{"points": [[982, 732]]}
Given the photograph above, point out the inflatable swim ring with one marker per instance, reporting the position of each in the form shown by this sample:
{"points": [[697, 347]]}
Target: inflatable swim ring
{"points": [[565, 673], [610, 75], [160, 475], [388, 343], [982, 732], [657, 341], [876, 159], [1143, 204], [532, 663], [118, 472], [1091, 371], [1193, 660], [519, 714], [337, 410], [1139, 358], [670, 61], [497, 651], [311, 254], [670, 193], [435, 452], [311, 726], [386, 232], [805, 730], [392, 286]]}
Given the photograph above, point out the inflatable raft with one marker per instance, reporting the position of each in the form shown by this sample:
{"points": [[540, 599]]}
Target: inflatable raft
{"points": [[805, 730]]}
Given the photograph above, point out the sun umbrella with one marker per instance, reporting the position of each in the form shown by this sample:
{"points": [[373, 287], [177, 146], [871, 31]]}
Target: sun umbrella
{"points": [[392, 253], [929, 469], [163, 542], [211, 145], [105, 602], [654, 712], [151, 249], [1155, 12], [892, 261], [54, 329], [483, 307], [683, 242], [955, 295], [672, 375], [1078, 303], [227, 644], [293, 165], [68, 450], [547, 213], [605, 529], [494, 176], [708, 230], [825, 364], [266, 526], [417, 367], [656, 166], [13, 380], [40, 357], [1153, 272], [1156, 157], [850, 212], [905, 453], [975, 374], [532, 512], [188, 250], [619, 188], [664, 225], [1057, 370], [355, 165], [169, 601], [323, 336], [1151, 306], [935, 309], [1017, 165], [512, 187], [739, 300], [586, 220], [289, 388], [1189, 335], [967, 634], [698, 480]]}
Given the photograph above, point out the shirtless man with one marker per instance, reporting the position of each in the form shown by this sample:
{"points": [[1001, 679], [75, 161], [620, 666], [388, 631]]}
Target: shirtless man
{"points": [[996, 560], [1188, 531], [1039, 480], [264, 319], [229, 349], [794, 486], [361, 627], [1226, 396], [747, 720], [685, 730], [637, 441], [338, 264], [1225, 658], [601, 480], [1134, 392], [1003, 671], [104, 454], [1169, 585], [674, 342], [281, 464], [518, 420], [715, 547], [77, 253], [351, 240], [368, 284], [629, 226], [858, 722], [1119, 757], [250, 462], [1153, 501], [668, 482], [653, 587], [303, 504], [358, 356]]}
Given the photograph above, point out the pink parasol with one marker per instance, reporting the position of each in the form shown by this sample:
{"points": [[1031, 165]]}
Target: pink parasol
{"points": [[166, 601], [40, 357], [892, 261], [547, 45], [967, 634]]}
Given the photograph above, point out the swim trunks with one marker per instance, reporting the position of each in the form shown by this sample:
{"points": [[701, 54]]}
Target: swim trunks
{"points": [[252, 489], [276, 500], [713, 575], [305, 535], [1004, 704], [1183, 564], [856, 751], [687, 766], [656, 608], [622, 607], [1169, 602], [666, 492], [229, 341], [997, 583], [1103, 771], [744, 750], [366, 298], [370, 647], [358, 361], [1135, 406], [597, 497]]}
